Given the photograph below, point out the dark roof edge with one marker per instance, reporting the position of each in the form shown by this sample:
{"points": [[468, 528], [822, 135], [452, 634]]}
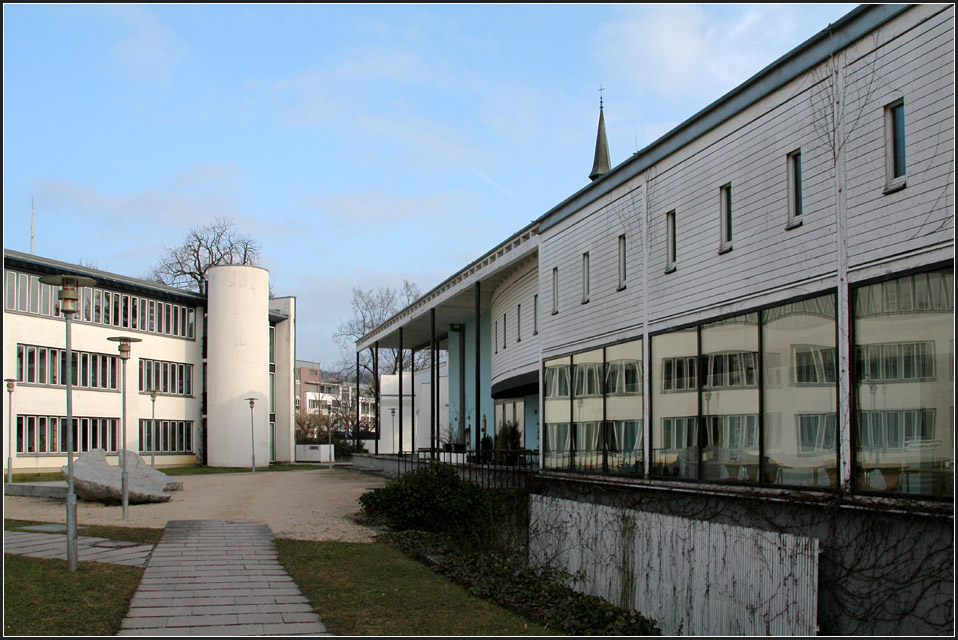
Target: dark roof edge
{"points": [[435, 290], [40, 264], [836, 36]]}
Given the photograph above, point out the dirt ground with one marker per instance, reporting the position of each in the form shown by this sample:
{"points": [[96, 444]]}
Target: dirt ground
{"points": [[306, 505]]}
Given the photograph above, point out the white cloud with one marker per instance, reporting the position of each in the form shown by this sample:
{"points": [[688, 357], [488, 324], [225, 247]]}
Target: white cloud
{"points": [[693, 51], [380, 207], [151, 51]]}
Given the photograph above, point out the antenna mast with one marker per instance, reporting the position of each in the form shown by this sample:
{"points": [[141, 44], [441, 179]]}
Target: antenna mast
{"points": [[31, 225]]}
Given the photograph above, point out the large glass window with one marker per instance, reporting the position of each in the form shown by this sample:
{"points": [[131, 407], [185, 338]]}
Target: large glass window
{"points": [[903, 432], [730, 399], [801, 428], [624, 435], [675, 404], [587, 406], [558, 414]]}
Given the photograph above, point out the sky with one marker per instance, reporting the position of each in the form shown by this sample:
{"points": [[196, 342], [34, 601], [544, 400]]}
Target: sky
{"points": [[360, 145]]}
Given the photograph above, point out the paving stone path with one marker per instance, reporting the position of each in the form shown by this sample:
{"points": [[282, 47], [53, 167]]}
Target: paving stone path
{"points": [[205, 577], [45, 545], [210, 577]]}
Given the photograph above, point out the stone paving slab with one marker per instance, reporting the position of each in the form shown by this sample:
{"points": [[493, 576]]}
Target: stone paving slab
{"points": [[51, 545], [216, 578]]}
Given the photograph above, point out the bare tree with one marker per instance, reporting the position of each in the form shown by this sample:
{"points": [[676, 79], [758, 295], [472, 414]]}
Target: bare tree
{"points": [[371, 308], [205, 246]]}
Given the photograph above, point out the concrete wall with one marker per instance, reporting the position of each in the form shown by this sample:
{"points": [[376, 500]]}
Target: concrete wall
{"points": [[879, 572]]}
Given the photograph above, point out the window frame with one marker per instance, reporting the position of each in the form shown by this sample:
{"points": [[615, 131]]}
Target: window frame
{"points": [[586, 276], [622, 262], [670, 244], [555, 290], [895, 147], [794, 173], [725, 218]]}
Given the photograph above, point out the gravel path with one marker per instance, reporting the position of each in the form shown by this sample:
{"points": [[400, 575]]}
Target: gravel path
{"points": [[306, 505]]}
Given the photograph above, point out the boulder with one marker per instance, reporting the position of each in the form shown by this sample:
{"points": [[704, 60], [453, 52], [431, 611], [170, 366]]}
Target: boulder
{"points": [[97, 480]]}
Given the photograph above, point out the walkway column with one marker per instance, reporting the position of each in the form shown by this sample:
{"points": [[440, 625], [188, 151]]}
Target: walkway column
{"points": [[412, 397], [400, 392], [478, 407], [358, 401], [433, 424], [376, 390]]}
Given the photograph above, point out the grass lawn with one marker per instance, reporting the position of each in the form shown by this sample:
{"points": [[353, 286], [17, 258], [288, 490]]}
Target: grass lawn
{"points": [[42, 598], [374, 590], [144, 535], [357, 589], [172, 471]]}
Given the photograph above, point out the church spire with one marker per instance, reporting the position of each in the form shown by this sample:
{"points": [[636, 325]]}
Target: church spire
{"points": [[602, 164]]}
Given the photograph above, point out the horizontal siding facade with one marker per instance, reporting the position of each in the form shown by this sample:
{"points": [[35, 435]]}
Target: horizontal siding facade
{"points": [[517, 350]]}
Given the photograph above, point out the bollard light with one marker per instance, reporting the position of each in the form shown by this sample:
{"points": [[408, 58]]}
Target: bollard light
{"points": [[252, 434], [69, 297], [124, 348]]}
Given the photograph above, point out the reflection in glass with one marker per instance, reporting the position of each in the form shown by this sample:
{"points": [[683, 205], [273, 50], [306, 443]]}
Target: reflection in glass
{"points": [[675, 404], [624, 408], [904, 384], [730, 399], [587, 408], [801, 428], [558, 439]]}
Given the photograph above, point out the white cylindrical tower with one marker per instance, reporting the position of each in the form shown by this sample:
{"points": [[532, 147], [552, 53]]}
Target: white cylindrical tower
{"points": [[237, 354]]}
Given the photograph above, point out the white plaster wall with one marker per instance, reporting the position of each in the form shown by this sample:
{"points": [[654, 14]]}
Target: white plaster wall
{"points": [[238, 366], [389, 423], [284, 357], [21, 328]]}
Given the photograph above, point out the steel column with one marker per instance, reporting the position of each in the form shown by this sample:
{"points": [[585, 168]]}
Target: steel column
{"points": [[478, 403], [399, 361], [376, 390]]}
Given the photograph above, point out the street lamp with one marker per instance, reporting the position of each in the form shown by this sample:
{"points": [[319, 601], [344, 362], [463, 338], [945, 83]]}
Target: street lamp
{"points": [[393, 412], [124, 348], [252, 437], [329, 432], [11, 383], [69, 297], [153, 429]]}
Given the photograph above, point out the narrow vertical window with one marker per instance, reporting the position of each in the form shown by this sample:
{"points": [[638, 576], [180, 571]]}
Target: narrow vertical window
{"points": [[621, 262], [895, 146], [495, 337], [585, 277], [670, 242], [518, 323], [794, 190], [535, 314], [555, 290], [503, 331], [725, 209]]}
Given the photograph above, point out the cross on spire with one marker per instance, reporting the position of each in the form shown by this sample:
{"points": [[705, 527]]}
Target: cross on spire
{"points": [[601, 89]]}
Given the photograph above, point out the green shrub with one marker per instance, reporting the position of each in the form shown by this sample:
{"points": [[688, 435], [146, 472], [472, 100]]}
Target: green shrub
{"points": [[541, 594], [431, 498]]}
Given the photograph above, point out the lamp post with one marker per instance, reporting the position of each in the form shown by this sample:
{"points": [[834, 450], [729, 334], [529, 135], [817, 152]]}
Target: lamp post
{"points": [[252, 437], [124, 348], [69, 297], [11, 383], [329, 432], [393, 412], [153, 430]]}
